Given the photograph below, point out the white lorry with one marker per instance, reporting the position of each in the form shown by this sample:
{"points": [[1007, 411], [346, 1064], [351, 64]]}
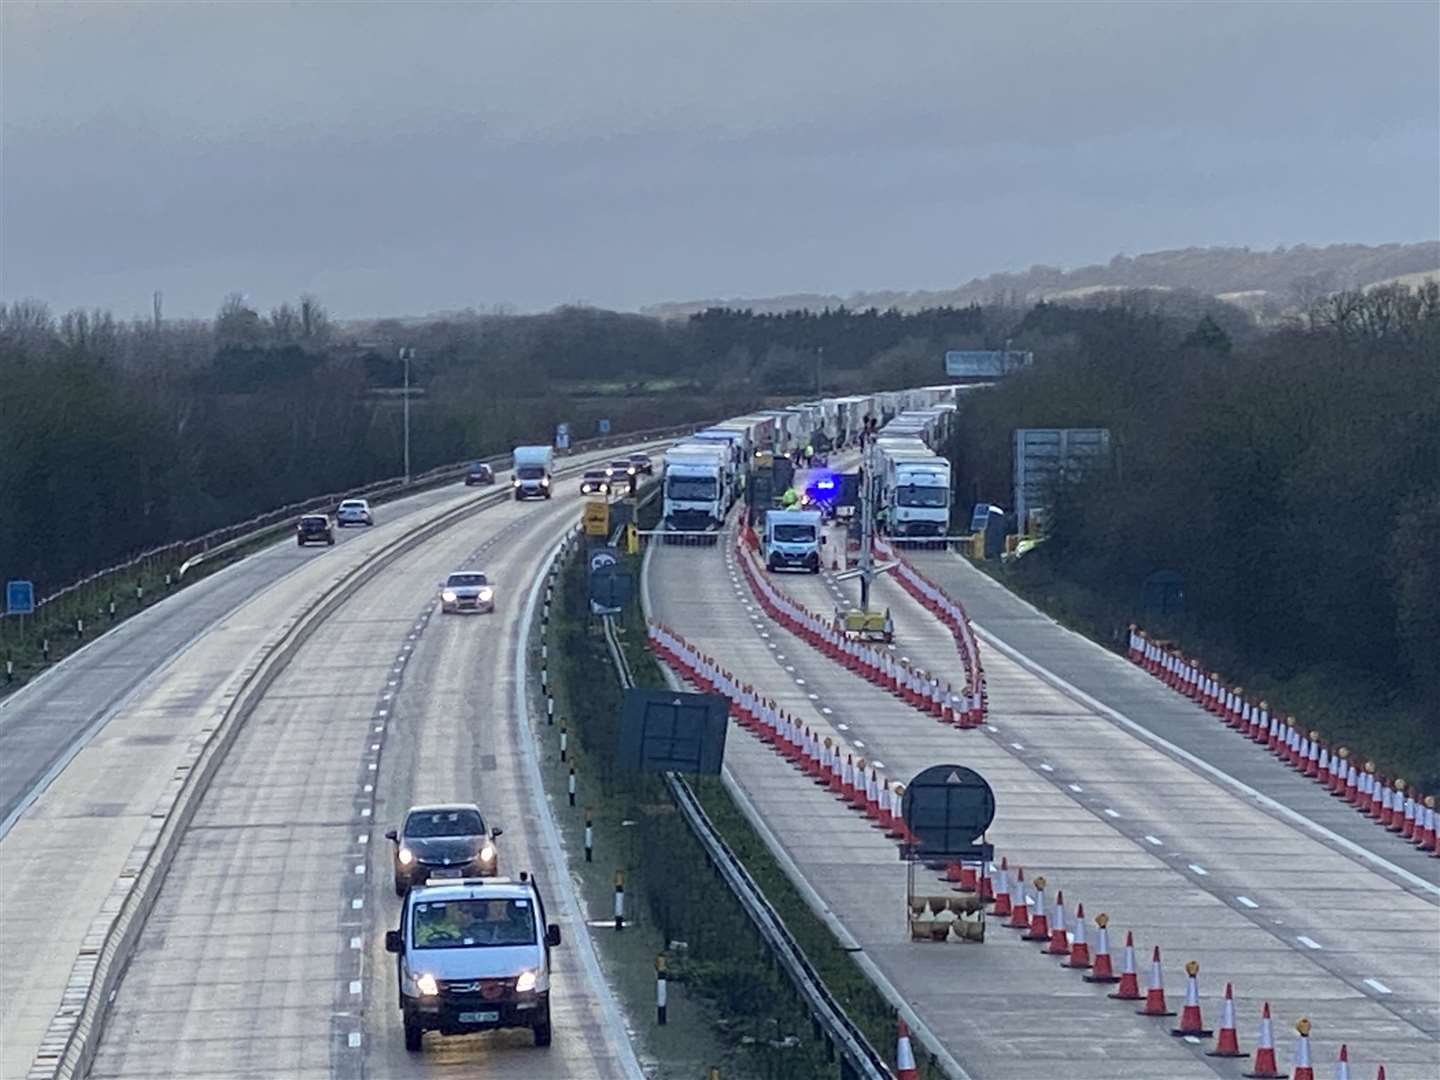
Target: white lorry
{"points": [[915, 491], [533, 468], [791, 540], [696, 486]]}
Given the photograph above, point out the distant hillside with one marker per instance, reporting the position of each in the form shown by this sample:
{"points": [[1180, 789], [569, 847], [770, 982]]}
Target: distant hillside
{"points": [[1267, 282]]}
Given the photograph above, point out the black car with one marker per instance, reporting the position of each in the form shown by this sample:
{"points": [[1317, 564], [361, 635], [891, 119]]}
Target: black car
{"points": [[643, 465], [479, 474], [443, 841], [314, 529], [595, 482]]}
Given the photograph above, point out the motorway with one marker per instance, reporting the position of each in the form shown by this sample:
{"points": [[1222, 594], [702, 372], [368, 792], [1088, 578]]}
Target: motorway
{"points": [[1162, 847], [257, 907]]}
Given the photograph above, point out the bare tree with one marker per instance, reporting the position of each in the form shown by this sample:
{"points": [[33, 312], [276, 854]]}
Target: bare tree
{"points": [[238, 323]]}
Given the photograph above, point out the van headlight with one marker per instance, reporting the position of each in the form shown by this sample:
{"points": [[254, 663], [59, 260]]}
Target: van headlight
{"points": [[487, 853], [486, 595], [426, 985], [406, 856], [448, 596], [525, 983]]}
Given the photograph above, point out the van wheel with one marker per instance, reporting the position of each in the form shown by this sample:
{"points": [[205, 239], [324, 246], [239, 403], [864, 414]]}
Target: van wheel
{"points": [[542, 1029], [412, 1037]]}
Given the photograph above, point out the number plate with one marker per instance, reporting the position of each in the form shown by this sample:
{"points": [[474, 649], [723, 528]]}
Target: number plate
{"points": [[488, 1016], [453, 871]]}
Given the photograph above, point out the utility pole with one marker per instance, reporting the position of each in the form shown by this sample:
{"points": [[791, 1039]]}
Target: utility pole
{"points": [[819, 365], [406, 355], [867, 525], [157, 302]]}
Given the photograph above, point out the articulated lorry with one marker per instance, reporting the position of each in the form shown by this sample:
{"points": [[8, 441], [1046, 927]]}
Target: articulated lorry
{"points": [[914, 490], [533, 468], [697, 486]]}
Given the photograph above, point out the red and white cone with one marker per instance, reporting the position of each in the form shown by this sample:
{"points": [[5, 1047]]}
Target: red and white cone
{"points": [[1381, 1074], [1191, 1022], [1079, 950], [1002, 889], [1039, 918], [904, 1056], [1227, 1042], [1059, 940], [1019, 909], [1264, 1066], [1129, 988], [1300, 1064], [1155, 992], [1101, 971], [1342, 1063]]}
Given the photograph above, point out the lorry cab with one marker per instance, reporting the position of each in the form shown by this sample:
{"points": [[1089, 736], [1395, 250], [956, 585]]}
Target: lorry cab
{"points": [[473, 955], [791, 540]]}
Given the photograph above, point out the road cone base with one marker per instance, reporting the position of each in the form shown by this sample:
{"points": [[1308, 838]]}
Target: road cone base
{"points": [[1199, 1033], [1101, 978], [1084, 965], [1147, 1012], [1122, 995], [1265, 1076], [1226, 1053]]}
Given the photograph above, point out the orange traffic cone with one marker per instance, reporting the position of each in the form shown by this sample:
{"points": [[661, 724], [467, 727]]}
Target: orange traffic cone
{"points": [[1264, 1065], [1101, 972], [1227, 1043], [1079, 951], [1301, 1063], [1342, 1064], [1039, 921], [1381, 1074], [1190, 1019], [1002, 889], [904, 1056], [1059, 940], [1155, 992], [1019, 904], [1129, 988]]}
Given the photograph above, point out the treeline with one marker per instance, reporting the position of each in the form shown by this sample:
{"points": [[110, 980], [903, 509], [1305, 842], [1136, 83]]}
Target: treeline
{"points": [[1293, 479], [117, 436]]}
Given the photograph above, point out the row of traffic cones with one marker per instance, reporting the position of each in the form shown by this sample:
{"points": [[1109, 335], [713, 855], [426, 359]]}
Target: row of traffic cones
{"points": [[1391, 803], [913, 685]]}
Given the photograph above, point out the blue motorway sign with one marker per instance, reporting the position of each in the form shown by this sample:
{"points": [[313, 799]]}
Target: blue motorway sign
{"points": [[562, 436], [19, 598], [602, 426]]}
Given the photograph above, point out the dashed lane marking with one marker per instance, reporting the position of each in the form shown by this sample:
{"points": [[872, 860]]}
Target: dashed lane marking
{"points": [[1111, 813], [1245, 901], [1199, 870], [1377, 986], [1309, 943]]}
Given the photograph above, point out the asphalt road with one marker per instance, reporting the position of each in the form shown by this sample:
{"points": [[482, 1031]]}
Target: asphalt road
{"points": [[264, 956]]}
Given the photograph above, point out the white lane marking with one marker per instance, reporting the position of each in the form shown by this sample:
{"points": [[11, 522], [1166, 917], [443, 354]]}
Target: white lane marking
{"points": [[799, 682], [354, 943], [1379, 987], [379, 728], [365, 811], [374, 746], [1018, 746], [363, 838], [354, 1039], [359, 868], [1309, 943], [1046, 768], [1076, 788], [1247, 902], [357, 903], [354, 986], [1145, 733], [878, 764], [382, 712], [369, 788], [790, 668], [826, 710], [1152, 839], [1111, 813], [843, 727], [373, 766], [1199, 870], [859, 745]]}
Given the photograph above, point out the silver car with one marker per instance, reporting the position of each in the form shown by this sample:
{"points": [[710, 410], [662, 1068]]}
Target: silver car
{"points": [[467, 590], [354, 512]]}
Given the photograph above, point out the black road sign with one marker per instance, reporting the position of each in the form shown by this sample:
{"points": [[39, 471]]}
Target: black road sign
{"points": [[948, 808], [664, 731]]}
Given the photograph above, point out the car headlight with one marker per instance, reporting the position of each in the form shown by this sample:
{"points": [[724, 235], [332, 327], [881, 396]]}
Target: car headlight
{"points": [[516, 482], [426, 985], [545, 481], [487, 853], [631, 470], [406, 856], [525, 983], [448, 596], [487, 595]]}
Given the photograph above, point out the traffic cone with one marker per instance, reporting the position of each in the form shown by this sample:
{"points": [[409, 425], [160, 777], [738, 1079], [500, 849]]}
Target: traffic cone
{"points": [[1129, 988], [1264, 1066], [1342, 1063], [1019, 912], [1002, 889], [1227, 1043], [1381, 1074], [1155, 992], [1059, 941], [1101, 972], [904, 1056], [1079, 951], [1301, 1062], [985, 883], [1191, 1022], [1039, 919]]}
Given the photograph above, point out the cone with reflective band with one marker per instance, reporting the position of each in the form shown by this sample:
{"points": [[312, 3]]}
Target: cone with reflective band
{"points": [[1002, 890], [1155, 992], [1342, 1063], [1129, 988], [904, 1056], [1079, 950], [1191, 1022], [1427, 838], [1101, 971], [985, 883], [1227, 1042], [1398, 803], [1039, 919], [1300, 1065], [1019, 911], [1264, 1065], [1059, 941]]}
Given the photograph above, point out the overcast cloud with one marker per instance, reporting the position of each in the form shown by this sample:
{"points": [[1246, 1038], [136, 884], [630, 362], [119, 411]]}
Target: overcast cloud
{"points": [[398, 159]]}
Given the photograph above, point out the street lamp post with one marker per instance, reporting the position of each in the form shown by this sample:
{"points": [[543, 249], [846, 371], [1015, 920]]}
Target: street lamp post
{"points": [[406, 355]]}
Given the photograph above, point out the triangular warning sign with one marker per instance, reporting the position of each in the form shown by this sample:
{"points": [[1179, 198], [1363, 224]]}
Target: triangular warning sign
{"points": [[953, 778]]}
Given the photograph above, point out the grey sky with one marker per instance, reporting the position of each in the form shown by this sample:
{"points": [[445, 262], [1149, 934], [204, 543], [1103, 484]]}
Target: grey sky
{"points": [[403, 158]]}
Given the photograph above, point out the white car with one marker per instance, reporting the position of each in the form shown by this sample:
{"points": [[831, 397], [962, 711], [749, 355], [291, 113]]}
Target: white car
{"points": [[354, 512], [466, 590]]}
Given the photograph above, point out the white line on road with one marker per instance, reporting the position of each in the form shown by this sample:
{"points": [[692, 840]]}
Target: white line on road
{"points": [[1018, 746], [842, 727], [826, 710], [354, 943], [1247, 902], [357, 903], [354, 986], [1378, 986], [1076, 788], [1111, 813], [1047, 768], [1309, 943], [354, 1039], [1199, 870], [360, 868], [1152, 839], [859, 745], [363, 838]]}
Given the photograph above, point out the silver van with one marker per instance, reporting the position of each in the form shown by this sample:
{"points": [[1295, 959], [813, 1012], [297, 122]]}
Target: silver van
{"points": [[474, 955]]}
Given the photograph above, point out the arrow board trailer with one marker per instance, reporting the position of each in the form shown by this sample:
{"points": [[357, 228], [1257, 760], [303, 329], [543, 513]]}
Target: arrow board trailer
{"points": [[915, 491], [696, 487], [792, 540]]}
